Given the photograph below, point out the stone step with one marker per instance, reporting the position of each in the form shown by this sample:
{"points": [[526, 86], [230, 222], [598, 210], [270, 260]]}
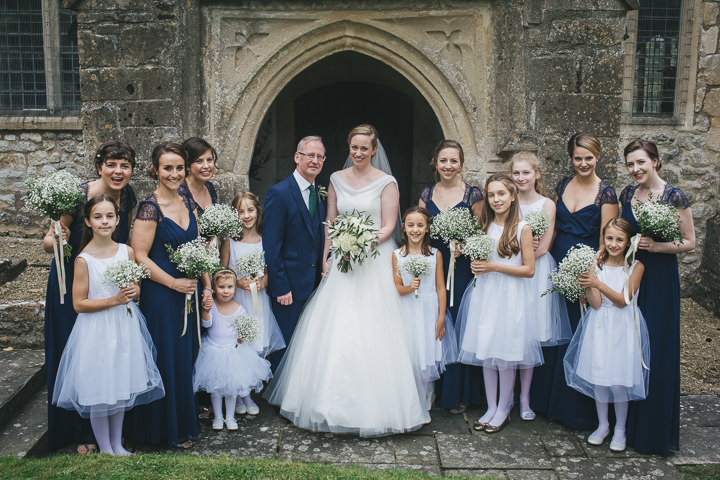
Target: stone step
{"points": [[25, 434], [21, 324], [22, 375]]}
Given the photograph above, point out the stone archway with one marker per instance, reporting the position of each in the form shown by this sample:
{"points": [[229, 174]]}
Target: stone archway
{"points": [[251, 56]]}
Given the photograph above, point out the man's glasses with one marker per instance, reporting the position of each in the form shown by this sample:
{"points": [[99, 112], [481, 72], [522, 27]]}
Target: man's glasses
{"points": [[314, 156]]}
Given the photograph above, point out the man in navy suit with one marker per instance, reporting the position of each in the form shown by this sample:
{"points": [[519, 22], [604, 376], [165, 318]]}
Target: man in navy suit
{"points": [[293, 238]]}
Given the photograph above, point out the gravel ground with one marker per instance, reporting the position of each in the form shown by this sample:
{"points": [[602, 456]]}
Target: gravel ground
{"points": [[699, 328]]}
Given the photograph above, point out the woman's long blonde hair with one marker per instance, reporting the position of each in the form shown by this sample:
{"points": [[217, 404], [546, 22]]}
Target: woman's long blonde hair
{"points": [[534, 162]]}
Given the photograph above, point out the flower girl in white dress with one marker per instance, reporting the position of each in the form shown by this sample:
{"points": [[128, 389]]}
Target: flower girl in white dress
{"points": [[424, 298], [350, 364], [609, 354], [108, 365], [249, 210]]}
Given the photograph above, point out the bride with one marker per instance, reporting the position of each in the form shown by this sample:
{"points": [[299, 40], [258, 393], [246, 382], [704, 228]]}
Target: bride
{"points": [[348, 367]]}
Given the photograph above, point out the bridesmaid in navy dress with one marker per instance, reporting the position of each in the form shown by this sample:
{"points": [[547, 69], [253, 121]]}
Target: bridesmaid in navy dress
{"points": [[654, 423], [167, 218], [461, 384], [584, 204], [114, 162]]}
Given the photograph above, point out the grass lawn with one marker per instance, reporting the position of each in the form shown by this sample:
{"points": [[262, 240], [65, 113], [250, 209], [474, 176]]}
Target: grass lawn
{"points": [[700, 472], [190, 467]]}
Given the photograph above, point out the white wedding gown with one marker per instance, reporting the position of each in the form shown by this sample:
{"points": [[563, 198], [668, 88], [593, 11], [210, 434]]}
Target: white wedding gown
{"points": [[349, 368]]}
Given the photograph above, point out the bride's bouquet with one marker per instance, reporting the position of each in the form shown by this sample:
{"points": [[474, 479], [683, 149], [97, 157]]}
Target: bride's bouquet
{"points": [[453, 226], [353, 239], [252, 265], [416, 266], [538, 221], [54, 195], [564, 278], [220, 221], [246, 327], [659, 220], [479, 247], [123, 273], [194, 258]]}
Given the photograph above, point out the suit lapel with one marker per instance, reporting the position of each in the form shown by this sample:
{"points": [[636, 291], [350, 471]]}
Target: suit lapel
{"points": [[304, 213]]}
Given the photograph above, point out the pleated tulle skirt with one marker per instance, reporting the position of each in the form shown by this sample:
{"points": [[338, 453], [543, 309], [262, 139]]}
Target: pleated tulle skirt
{"points": [[230, 369], [270, 337], [108, 364], [493, 323], [605, 357], [350, 366], [549, 316]]}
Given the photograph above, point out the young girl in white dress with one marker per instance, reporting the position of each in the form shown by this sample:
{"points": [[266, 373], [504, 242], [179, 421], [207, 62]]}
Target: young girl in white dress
{"points": [[550, 318], [609, 354], [108, 365], [428, 317], [228, 370], [493, 314], [248, 206]]}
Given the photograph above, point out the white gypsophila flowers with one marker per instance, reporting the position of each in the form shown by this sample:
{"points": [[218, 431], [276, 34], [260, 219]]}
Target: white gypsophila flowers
{"points": [[416, 266], [251, 265], [659, 220], [54, 194], [246, 327], [538, 221], [454, 224], [353, 239], [195, 258], [479, 247], [579, 259], [124, 272], [220, 221]]}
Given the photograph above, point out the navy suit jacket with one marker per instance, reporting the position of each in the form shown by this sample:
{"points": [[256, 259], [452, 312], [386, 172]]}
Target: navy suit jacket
{"points": [[293, 242]]}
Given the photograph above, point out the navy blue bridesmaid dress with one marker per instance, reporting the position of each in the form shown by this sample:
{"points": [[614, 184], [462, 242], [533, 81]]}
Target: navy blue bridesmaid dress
{"points": [[654, 423], [66, 426], [171, 419], [460, 383], [549, 393]]}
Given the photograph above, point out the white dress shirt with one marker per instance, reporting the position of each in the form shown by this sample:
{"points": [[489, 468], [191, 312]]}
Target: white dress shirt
{"points": [[304, 187]]}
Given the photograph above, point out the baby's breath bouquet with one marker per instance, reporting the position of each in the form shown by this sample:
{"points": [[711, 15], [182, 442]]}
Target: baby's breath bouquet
{"points": [[659, 220], [123, 273], [194, 258], [538, 221], [252, 265], [452, 226], [353, 239], [564, 278], [416, 266], [479, 247], [220, 221], [246, 327], [54, 195]]}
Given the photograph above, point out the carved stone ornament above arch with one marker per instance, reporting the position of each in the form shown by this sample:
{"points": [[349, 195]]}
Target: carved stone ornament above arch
{"points": [[250, 57]]}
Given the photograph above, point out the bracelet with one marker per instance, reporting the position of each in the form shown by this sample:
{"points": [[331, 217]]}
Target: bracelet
{"points": [[207, 288]]}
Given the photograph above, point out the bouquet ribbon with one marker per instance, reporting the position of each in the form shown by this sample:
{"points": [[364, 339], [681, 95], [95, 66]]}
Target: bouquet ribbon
{"points": [[632, 250], [257, 304], [450, 284], [188, 307], [58, 254]]}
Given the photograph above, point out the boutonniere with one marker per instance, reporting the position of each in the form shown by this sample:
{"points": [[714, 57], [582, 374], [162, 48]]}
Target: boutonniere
{"points": [[322, 192]]}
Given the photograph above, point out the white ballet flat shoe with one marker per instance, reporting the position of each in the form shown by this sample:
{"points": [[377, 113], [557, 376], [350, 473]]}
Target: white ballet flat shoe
{"points": [[618, 445], [528, 416], [217, 424], [240, 408], [597, 438], [253, 410], [231, 424]]}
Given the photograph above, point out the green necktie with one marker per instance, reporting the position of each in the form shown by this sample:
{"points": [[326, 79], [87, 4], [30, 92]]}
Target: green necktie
{"points": [[312, 202]]}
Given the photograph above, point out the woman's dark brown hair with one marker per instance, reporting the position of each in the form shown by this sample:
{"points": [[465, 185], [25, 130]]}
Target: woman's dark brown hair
{"points": [[195, 147], [442, 146], [159, 151], [584, 140], [114, 150], [647, 146]]}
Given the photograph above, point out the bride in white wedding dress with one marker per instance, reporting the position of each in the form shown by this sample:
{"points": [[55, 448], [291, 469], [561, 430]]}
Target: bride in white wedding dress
{"points": [[348, 368]]}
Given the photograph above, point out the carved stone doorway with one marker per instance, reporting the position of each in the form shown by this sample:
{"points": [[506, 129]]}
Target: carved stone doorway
{"points": [[328, 99]]}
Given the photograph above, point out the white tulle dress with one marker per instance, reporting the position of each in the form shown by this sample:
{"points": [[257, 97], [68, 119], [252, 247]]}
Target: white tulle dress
{"points": [[493, 317], [605, 357], [108, 365], [549, 316], [270, 338], [422, 313], [350, 365], [227, 367]]}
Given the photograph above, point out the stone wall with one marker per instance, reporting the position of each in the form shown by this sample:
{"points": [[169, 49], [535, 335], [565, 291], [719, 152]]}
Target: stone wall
{"points": [[28, 153]]}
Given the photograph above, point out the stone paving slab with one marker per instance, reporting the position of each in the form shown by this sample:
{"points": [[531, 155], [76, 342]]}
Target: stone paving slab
{"points": [[24, 433], [646, 468], [303, 446], [416, 449], [561, 445], [500, 450], [700, 411], [17, 367], [477, 473], [698, 445]]}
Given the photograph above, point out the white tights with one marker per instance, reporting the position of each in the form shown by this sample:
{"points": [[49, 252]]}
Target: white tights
{"points": [[108, 432], [498, 409], [621, 413], [216, 401]]}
